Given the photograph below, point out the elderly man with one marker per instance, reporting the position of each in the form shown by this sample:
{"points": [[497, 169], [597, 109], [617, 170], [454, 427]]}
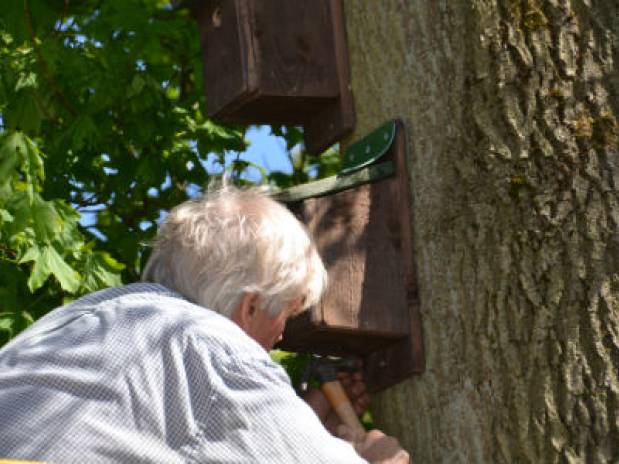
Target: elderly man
{"points": [[176, 369]]}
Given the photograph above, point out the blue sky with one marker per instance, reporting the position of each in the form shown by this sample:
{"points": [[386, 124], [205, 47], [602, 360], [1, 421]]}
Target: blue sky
{"points": [[264, 149], [267, 150]]}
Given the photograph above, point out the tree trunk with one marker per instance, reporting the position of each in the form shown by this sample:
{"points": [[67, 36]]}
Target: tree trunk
{"points": [[511, 109]]}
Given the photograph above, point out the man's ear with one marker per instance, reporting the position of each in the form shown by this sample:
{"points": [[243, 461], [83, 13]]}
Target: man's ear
{"points": [[245, 310]]}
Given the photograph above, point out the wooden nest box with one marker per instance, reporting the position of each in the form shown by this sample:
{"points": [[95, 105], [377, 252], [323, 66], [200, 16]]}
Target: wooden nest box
{"points": [[277, 62], [361, 223]]}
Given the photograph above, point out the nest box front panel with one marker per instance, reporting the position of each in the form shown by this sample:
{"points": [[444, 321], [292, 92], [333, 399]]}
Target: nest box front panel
{"points": [[294, 44], [357, 233]]}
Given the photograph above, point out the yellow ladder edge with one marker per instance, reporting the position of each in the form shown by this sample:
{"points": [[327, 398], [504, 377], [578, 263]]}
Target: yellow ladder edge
{"points": [[18, 461]]}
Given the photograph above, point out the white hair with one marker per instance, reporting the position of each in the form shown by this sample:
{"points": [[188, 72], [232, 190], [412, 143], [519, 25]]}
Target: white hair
{"points": [[215, 249]]}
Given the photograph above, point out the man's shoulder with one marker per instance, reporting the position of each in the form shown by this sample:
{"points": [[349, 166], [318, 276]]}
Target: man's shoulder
{"points": [[145, 302], [140, 299], [136, 294], [181, 318]]}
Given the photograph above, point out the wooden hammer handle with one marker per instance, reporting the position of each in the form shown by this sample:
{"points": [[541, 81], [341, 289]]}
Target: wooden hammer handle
{"points": [[338, 399]]}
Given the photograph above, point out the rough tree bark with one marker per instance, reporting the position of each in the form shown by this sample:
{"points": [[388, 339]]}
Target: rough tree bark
{"points": [[512, 111]]}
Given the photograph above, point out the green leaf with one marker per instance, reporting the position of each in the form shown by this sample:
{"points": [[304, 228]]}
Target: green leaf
{"points": [[44, 217], [26, 80], [6, 321], [40, 271], [67, 276], [83, 132], [19, 205], [47, 261], [5, 216], [295, 364], [66, 212], [31, 254], [9, 155], [8, 294], [27, 317], [19, 147], [33, 167], [23, 113], [69, 236], [13, 322], [101, 271], [34, 162], [6, 190], [136, 86], [9, 324], [46, 221], [281, 179], [292, 135], [6, 38]]}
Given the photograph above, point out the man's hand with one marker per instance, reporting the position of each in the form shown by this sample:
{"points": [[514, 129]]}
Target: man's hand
{"points": [[355, 389], [376, 447]]}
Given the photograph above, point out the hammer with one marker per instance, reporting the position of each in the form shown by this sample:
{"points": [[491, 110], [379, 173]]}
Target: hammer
{"points": [[325, 370]]}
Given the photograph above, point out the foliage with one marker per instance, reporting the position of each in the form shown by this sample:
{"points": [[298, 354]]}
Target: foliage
{"points": [[294, 364], [305, 166], [102, 130]]}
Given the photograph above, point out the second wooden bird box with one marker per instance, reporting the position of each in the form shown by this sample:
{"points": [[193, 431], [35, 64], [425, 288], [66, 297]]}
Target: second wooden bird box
{"points": [[278, 62]]}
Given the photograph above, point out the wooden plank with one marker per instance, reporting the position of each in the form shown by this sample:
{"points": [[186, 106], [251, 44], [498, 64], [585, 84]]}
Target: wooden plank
{"points": [[225, 67], [293, 42], [337, 120], [356, 233], [336, 341], [394, 363], [334, 184]]}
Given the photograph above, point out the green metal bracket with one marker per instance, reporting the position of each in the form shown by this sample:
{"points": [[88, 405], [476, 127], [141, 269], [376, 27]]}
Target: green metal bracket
{"points": [[334, 184], [360, 167], [369, 149]]}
